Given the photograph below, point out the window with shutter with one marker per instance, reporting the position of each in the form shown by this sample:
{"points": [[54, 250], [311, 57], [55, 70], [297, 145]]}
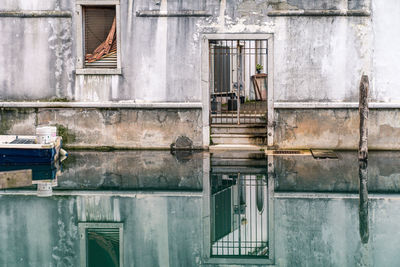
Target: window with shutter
{"points": [[100, 37]]}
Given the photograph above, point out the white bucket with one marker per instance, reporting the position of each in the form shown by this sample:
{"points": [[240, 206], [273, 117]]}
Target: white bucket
{"points": [[46, 134], [44, 190]]}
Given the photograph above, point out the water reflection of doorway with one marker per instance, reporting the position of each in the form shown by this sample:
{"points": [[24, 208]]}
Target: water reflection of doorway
{"points": [[239, 221], [239, 229]]}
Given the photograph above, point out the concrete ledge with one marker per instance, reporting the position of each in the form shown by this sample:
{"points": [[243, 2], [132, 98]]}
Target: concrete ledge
{"points": [[36, 14], [194, 105], [133, 194], [89, 71], [319, 13], [100, 148], [159, 105], [97, 2], [307, 195], [332, 105], [182, 13]]}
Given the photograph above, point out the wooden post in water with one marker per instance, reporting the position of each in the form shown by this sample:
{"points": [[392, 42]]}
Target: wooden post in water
{"points": [[363, 111], [363, 203], [363, 159]]}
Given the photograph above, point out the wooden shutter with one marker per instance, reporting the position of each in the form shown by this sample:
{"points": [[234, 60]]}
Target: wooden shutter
{"points": [[98, 23]]}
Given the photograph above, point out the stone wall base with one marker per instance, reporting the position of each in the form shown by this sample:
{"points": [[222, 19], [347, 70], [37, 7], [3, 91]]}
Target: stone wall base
{"points": [[104, 127], [141, 128], [335, 129]]}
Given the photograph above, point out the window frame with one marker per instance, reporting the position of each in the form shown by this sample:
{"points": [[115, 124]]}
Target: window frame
{"points": [[80, 45]]}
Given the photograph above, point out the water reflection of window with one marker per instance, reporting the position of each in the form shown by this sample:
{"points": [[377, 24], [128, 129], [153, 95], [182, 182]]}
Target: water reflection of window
{"points": [[101, 244], [239, 215]]}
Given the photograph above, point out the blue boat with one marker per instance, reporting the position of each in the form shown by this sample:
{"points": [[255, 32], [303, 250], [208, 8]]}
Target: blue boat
{"points": [[39, 171], [23, 149]]}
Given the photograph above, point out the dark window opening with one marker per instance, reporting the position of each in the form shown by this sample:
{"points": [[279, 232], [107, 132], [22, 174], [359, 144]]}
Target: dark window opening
{"points": [[100, 33]]}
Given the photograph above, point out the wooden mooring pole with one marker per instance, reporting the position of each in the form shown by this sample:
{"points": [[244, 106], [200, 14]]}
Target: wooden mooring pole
{"points": [[363, 111], [363, 160], [363, 203]]}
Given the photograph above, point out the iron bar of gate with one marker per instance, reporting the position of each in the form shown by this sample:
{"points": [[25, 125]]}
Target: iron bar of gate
{"points": [[255, 64], [231, 46], [238, 81]]}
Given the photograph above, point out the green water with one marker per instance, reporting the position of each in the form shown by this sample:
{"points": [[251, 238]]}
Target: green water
{"points": [[152, 208]]}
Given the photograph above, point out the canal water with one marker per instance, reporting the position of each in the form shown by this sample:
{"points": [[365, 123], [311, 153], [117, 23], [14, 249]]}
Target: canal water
{"points": [[154, 208]]}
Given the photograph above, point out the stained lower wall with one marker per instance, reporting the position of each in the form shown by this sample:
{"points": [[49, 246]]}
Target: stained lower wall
{"points": [[152, 170], [119, 128], [335, 128], [158, 231], [140, 128]]}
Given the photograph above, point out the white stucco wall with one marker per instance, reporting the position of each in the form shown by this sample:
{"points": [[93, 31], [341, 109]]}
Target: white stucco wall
{"points": [[386, 55]]}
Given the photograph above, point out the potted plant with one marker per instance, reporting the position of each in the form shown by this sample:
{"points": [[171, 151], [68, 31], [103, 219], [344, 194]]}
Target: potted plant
{"points": [[259, 67]]}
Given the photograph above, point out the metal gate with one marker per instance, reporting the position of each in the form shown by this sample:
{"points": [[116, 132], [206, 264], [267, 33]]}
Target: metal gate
{"points": [[238, 81]]}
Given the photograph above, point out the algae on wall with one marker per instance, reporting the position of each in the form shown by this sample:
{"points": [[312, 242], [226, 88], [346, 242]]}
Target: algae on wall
{"points": [[67, 136]]}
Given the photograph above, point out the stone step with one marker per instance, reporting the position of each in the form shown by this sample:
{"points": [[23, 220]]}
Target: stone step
{"points": [[238, 169], [244, 118], [238, 129], [260, 139], [237, 147], [238, 162], [239, 154]]}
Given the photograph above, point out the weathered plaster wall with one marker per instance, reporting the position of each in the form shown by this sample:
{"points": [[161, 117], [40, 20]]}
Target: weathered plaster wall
{"points": [[132, 170], [325, 232], [321, 62], [306, 174], [386, 36], [36, 58], [13, 5], [161, 55], [168, 230], [316, 59], [17, 121], [335, 128], [120, 128], [158, 231]]}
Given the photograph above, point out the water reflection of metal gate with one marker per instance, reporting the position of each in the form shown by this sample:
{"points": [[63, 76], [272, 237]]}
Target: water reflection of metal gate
{"points": [[239, 215], [238, 81]]}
